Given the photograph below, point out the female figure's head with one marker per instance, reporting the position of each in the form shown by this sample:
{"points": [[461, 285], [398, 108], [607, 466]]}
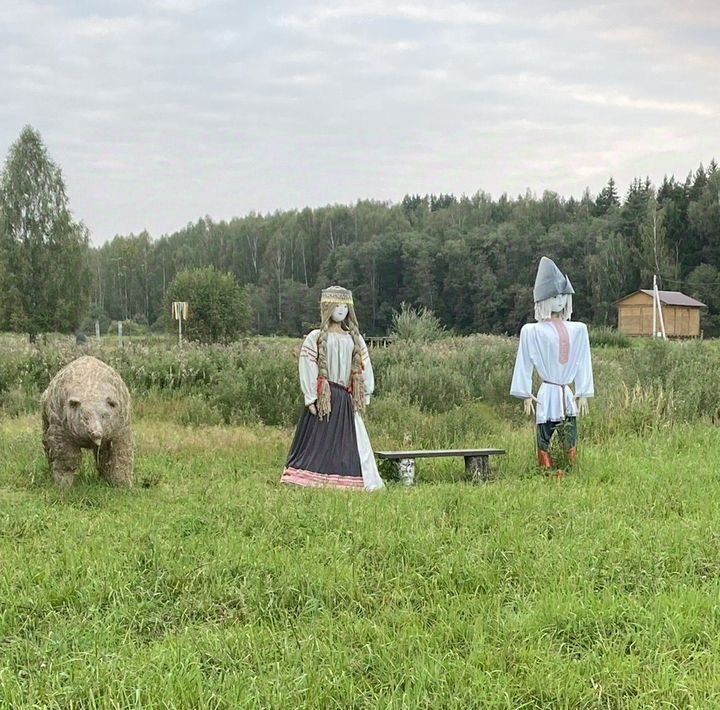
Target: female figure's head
{"points": [[336, 306], [339, 313]]}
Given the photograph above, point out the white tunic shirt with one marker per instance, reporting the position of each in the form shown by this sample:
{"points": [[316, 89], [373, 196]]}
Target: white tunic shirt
{"points": [[339, 364], [560, 352]]}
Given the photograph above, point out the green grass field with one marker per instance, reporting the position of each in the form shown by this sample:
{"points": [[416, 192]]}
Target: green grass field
{"points": [[210, 586]]}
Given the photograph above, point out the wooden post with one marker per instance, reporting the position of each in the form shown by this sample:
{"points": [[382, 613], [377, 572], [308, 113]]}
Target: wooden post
{"points": [[478, 469]]}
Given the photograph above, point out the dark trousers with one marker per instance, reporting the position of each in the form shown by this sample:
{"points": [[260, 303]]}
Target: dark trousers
{"points": [[567, 430]]}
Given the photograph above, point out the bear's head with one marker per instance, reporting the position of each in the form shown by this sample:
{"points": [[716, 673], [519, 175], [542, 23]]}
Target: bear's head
{"points": [[94, 418]]}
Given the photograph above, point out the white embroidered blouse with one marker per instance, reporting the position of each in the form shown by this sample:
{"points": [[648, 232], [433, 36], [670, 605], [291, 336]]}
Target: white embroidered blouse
{"points": [[339, 363]]}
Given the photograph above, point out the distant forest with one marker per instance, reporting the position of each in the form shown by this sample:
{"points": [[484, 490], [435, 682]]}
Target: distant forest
{"points": [[471, 260]]}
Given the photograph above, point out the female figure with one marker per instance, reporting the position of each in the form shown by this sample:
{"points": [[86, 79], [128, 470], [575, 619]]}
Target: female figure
{"points": [[331, 445], [559, 350]]}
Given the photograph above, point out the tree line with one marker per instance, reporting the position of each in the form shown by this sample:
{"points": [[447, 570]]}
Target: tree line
{"points": [[469, 259]]}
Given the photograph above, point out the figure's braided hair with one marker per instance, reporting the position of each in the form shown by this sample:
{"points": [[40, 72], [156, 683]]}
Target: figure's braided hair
{"points": [[357, 381]]}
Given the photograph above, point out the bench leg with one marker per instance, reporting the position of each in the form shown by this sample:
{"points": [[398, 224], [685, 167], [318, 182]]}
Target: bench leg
{"points": [[406, 471], [478, 468]]}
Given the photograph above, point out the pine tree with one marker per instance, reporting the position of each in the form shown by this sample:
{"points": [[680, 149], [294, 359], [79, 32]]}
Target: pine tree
{"points": [[44, 252], [699, 181], [607, 198]]}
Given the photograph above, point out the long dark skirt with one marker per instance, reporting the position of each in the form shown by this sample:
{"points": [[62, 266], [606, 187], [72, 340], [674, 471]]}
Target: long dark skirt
{"points": [[325, 453]]}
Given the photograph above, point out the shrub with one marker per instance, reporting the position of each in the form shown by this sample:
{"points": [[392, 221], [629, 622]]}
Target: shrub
{"points": [[417, 325], [158, 326], [442, 375], [96, 313], [609, 337], [217, 310], [129, 328], [263, 389], [19, 400]]}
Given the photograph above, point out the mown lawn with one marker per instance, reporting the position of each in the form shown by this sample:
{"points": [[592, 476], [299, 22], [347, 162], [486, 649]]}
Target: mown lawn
{"points": [[210, 586]]}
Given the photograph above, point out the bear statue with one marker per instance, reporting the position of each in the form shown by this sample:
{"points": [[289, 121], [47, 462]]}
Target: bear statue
{"points": [[87, 406]]}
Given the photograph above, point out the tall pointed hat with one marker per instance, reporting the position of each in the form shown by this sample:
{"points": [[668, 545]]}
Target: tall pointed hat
{"points": [[550, 281]]}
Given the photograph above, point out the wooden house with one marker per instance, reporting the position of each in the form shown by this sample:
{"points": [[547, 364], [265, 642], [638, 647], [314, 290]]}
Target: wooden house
{"points": [[680, 312]]}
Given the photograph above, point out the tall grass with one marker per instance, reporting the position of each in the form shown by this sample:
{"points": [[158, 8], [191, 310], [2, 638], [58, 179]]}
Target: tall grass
{"points": [[609, 337], [649, 385], [210, 586]]}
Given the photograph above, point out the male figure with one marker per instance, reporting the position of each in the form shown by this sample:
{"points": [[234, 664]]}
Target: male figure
{"points": [[560, 352]]}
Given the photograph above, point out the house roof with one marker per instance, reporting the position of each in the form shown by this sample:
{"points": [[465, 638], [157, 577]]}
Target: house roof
{"points": [[669, 298]]}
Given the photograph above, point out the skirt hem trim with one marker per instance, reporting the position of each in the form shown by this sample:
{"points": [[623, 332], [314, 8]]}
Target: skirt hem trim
{"points": [[300, 477]]}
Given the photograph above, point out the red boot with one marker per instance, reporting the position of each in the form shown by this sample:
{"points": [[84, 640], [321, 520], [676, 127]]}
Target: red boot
{"points": [[544, 460], [547, 465]]}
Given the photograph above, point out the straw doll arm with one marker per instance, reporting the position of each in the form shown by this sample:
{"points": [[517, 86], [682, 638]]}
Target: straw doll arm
{"points": [[521, 386], [308, 368], [368, 374], [584, 383]]}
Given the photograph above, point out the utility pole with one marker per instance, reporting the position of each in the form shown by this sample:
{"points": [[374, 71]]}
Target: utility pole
{"points": [[654, 331], [657, 304]]}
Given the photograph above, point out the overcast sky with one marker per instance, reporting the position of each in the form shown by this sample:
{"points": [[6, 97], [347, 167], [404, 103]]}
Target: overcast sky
{"points": [[163, 111]]}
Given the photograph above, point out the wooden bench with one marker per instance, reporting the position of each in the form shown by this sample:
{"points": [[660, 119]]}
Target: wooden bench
{"points": [[477, 462]]}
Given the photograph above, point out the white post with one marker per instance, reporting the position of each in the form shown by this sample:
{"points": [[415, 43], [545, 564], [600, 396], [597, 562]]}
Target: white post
{"points": [[655, 305], [662, 319], [180, 330], [120, 333], [97, 331]]}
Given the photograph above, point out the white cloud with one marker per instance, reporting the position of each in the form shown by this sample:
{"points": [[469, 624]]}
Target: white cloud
{"points": [[103, 27], [436, 13], [434, 74], [302, 80], [181, 6], [163, 110], [573, 18], [531, 84], [620, 100]]}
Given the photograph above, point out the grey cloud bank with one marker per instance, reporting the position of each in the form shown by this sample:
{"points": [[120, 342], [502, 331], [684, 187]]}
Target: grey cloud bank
{"points": [[162, 111]]}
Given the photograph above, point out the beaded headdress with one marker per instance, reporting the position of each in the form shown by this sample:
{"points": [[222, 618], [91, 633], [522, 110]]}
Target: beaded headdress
{"points": [[337, 294]]}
